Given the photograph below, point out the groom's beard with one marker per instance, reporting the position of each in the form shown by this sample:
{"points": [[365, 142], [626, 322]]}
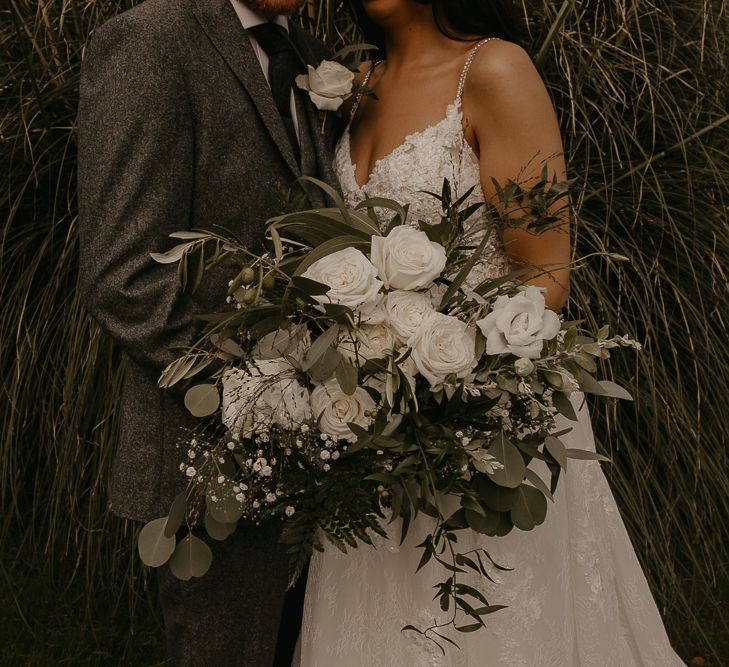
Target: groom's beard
{"points": [[271, 8]]}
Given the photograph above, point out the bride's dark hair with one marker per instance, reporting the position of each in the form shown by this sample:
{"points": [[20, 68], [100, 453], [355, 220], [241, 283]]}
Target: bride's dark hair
{"points": [[461, 20]]}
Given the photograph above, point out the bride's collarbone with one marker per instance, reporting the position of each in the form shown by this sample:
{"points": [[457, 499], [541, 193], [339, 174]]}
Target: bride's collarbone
{"points": [[403, 106]]}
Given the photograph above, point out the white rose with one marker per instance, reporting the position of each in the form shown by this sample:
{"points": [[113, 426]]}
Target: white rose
{"points": [[519, 324], [288, 403], [373, 341], [262, 394], [291, 343], [443, 345], [407, 259], [334, 409], [351, 277], [376, 314], [240, 395], [328, 85], [270, 367], [406, 311]]}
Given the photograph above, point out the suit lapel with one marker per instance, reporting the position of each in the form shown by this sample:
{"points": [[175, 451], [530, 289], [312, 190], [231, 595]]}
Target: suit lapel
{"points": [[221, 24], [320, 141], [308, 153]]}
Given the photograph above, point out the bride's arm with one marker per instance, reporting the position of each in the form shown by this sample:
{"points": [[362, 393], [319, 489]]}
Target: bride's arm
{"points": [[510, 116]]}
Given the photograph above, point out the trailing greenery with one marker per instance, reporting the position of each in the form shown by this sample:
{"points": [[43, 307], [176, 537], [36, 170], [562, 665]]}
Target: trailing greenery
{"points": [[640, 90]]}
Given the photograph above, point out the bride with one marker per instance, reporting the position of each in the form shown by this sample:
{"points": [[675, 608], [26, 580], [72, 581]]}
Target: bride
{"points": [[458, 98]]}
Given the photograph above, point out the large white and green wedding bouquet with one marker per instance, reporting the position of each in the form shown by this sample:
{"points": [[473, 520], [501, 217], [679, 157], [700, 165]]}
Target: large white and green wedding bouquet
{"points": [[362, 376]]}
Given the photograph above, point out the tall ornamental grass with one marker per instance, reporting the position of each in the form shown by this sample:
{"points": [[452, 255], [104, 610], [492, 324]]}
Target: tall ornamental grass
{"points": [[641, 90]]}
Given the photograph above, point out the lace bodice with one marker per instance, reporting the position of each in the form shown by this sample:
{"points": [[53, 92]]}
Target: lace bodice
{"points": [[421, 162]]}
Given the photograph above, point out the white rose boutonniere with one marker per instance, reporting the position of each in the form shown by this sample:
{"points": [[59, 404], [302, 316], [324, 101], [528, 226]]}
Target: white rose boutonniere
{"points": [[328, 85], [406, 259], [443, 345], [519, 324]]}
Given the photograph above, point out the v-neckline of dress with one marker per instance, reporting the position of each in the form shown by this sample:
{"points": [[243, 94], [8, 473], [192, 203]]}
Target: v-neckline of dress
{"points": [[352, 167], [395, 151]]}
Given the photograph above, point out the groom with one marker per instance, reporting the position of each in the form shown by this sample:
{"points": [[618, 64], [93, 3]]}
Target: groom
{"points": [[188, 119]]}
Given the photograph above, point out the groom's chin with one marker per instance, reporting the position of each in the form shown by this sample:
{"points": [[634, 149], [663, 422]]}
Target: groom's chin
{"points": [[271, 8]]}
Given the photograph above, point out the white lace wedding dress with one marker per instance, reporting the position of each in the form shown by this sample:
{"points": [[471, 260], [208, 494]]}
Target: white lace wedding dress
{"points": [[576, 596]]}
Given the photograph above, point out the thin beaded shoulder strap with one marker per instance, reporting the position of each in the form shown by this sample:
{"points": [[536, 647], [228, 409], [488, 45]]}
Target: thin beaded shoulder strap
{"points": [[360, 92], [467, 66], [461, 80]]}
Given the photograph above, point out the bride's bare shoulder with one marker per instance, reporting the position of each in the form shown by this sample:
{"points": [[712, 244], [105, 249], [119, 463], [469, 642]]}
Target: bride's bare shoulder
{"points": [[501, 65], [504, 86]]}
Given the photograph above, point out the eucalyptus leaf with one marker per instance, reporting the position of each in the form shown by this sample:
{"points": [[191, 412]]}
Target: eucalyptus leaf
{"points": [[346, 374], [202, 400], [512, 474], [176, 514], [324, 367], [227, 345], [472, 505], [590, 385], [585, 455], [463, 273], [190, 234], [320, 346], [380, 202], [499, 498], [277, 245], [586, 361], [217, 529], [570, 337], [309, 286], [555, 379], [173, 255], [564, 405], [557, 449], [191, 558], [279, 343], [353, 48], [538, 482], [484, 524], [198, 367], [175, 371], [154, 547], [615, 390], [530, 509], [505, 525]]}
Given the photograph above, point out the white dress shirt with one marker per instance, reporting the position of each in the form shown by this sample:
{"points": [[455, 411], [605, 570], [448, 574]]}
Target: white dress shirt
{"points": [[248, 19]]}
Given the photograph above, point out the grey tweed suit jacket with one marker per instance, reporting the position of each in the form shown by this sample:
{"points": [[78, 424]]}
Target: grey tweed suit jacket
{"points": [[177, 129]]}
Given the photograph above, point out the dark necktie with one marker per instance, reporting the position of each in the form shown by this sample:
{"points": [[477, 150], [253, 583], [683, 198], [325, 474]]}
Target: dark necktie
{"points": [[283, 66]]}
